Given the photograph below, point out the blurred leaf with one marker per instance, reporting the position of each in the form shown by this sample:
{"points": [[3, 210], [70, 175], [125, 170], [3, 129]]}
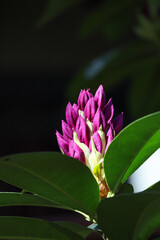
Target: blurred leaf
{"points": [[106, 13], [148, 222], [147, 30], [153, 7], [31, 229], [119, 216], [54, 8], [125, 188], [131, 148], [142, 97], [54, 176], [77, 228], [115, 66], [18, 199]]}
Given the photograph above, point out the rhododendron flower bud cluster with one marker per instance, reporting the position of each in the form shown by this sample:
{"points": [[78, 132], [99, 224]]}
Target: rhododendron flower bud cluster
{"points": [[89, 130]]}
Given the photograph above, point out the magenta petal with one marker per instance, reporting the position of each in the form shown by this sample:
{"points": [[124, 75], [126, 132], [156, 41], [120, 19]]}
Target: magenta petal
{"points": [[109, 137], [83, 98], [75, 107], [99, 120], [82, 131], [118, 123], [100, 97], [71, 115], [97, 142], [67, 131], [76, 152], [63, 144], [108, 111], [90, 109]]}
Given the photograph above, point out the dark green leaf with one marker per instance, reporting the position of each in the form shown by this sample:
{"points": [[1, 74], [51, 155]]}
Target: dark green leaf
{"points": [[125, 188], [131, 148], [34, 229], [54, 176], [148, 222], [119, 216], [18, 199]]}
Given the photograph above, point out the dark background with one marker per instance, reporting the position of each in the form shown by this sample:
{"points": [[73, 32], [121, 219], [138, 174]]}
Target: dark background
{"points": [[51, 49]]}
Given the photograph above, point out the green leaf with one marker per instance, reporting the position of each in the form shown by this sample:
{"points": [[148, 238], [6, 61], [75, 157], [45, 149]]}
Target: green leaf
{"points": [[77, 228], [148, 222], [18, 199], [34, 229], [54, 176], [118, 216], [131, 148]]}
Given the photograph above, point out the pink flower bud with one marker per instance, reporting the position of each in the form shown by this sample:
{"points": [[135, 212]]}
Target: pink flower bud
{"points": [[71, 115], [67, 131], [99, 120], [76, 152], [90, 109], [108, 111], [82, 131], [97, 142], [118, 123], [100, 97], [89, 131], [109, 136], [63, 144], [83, 98]]}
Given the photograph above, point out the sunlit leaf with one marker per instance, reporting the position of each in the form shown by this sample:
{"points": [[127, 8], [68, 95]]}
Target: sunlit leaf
{"points": [[131, 148]]}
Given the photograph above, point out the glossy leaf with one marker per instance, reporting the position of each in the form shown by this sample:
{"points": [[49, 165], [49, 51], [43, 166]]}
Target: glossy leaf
{"points": [[18, 199], [122, 213], [54, 176], [148, 222], [34, 229], [131, 148], [77, 228]]}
